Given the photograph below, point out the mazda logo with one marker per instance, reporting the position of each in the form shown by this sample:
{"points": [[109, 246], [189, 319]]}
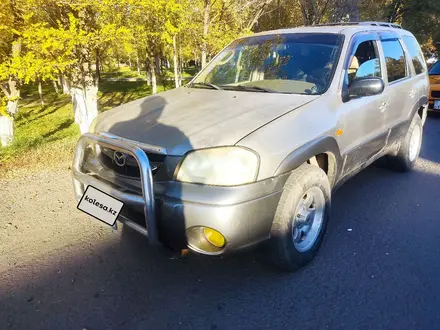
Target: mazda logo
{"points": [[119, 158]]}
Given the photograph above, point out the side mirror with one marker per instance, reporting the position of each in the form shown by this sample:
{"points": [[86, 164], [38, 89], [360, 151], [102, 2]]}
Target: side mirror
{"points": [[365, 87]]}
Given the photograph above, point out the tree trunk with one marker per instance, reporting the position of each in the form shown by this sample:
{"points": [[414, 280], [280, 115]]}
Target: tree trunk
{"points": [[396, 7], [176, 73], [153, 74], [158, 67], [206, 17], [6, 130], [180, 62], [85, 106], [97, 67], [40, 92], [256, 17], [195, 59], [65, 84], [12, 93], [84, 93], [55, 86], [138, 65], [148, 72]]}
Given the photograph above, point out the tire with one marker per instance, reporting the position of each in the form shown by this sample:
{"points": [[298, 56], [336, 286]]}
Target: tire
{"points": [[286, 250], [407, 156]]}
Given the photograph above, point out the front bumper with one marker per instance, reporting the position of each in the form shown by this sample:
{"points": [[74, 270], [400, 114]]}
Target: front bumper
{"points": [[242, 214]]}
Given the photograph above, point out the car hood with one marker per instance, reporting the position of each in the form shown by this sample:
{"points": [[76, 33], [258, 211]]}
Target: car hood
{"points": [[183, 119]]}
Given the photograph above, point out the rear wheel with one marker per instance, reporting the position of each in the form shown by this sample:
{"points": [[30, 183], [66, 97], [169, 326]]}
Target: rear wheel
{"points": [[301, 218], [410, 147]]}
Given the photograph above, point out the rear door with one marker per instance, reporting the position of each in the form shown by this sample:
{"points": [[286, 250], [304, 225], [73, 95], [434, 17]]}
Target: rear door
{"points": [[362, 120], [400, 90]]}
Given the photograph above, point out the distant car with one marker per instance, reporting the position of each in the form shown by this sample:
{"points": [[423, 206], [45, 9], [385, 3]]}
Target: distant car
{"points": [[252, 148], [434, 94]]}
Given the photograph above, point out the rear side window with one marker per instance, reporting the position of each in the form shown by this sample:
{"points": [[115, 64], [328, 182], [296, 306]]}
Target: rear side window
{"points": [[395, 59], [415, 53]]}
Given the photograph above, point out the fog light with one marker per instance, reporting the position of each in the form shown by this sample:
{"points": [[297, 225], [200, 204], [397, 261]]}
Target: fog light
{"points": [[214, 237], [205, 240]]}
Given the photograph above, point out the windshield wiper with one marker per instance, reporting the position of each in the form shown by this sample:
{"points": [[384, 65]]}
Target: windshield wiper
{"points": [[251, 88], [205, 84]]}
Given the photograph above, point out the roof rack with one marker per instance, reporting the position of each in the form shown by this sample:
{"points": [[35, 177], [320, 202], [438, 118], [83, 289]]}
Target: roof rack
{"points": [[386, 24]]}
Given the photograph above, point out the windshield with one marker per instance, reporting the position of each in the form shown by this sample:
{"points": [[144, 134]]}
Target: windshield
{"points": [[435, 69], [288, 63]]}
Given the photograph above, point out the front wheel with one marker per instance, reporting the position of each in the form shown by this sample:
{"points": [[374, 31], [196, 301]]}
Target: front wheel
{"points": [[410, 147], [301, 218]]}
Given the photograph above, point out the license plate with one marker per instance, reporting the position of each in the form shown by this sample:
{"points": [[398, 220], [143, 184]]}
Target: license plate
{"points": [[437, 105], [100, 205]]}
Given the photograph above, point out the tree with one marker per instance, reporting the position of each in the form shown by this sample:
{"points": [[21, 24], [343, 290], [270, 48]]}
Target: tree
{"points": [[12, 65], [313, 11], [223, 21], [346, 11], [82, 31], [49, 51]]}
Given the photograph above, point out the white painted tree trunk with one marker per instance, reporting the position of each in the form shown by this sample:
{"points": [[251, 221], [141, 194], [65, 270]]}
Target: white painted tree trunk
{"points": [[180, 63], [12, 108], [138, 66], [153, 79], [85, 106], [206, 22], [6, 130], [176, 65], [40, 92]]}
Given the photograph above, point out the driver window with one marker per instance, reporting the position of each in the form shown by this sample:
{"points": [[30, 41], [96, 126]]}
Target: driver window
{"points": [[365, 62]]}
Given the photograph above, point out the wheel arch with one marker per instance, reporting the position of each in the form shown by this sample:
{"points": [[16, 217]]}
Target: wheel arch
{"points": [[324, 152]]}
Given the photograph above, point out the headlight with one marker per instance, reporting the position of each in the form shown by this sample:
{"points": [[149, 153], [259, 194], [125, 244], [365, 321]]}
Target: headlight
{"points": [[225, 166]]}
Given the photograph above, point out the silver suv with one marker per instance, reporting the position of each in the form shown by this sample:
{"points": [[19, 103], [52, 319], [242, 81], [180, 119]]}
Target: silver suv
{"points": [[252, 148]]}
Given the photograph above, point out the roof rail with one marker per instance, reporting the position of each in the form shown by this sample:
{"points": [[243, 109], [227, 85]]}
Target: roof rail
{"points": [[386, 24]]}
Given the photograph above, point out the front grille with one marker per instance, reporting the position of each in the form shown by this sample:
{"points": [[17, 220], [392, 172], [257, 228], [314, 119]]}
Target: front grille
{"points": [[130, 168], [435, 94]]}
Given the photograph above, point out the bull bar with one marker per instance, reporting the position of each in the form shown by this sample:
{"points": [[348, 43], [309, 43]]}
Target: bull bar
{"points": [[137, 150]]}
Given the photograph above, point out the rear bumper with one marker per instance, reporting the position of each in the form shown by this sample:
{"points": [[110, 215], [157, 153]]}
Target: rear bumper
{"points": [[242, 214]]}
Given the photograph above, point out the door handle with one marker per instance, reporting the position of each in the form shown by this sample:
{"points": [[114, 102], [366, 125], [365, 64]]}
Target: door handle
{"points": [[383, 107]]}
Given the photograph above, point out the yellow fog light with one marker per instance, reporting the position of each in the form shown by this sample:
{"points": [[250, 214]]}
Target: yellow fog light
{"points": [[214, 237]]}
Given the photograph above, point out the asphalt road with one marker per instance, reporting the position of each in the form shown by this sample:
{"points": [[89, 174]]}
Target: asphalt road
{"points": [[379, 266]]}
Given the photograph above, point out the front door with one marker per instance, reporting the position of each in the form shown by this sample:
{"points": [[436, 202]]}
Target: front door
{"points": [[362, 120]]}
